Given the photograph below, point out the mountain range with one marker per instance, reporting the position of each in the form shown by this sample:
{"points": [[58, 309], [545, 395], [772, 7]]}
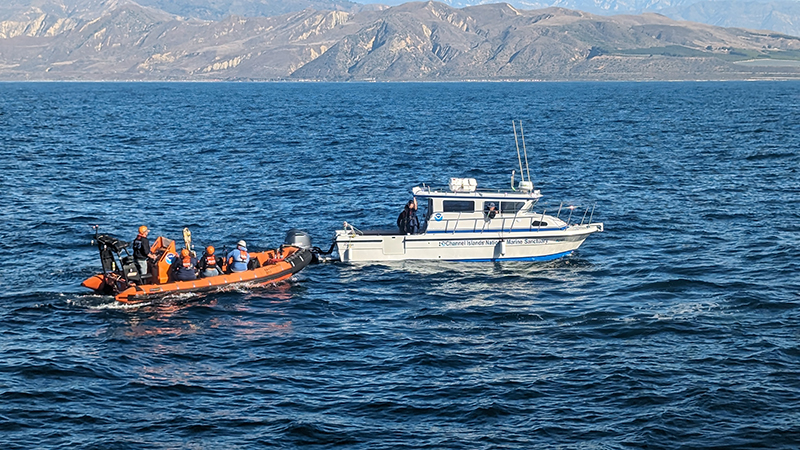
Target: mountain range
{"points": [[782, 16], [122, 40], [776, 15]]}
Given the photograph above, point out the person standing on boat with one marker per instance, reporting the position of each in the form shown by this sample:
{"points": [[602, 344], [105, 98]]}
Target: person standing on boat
{"points": [[238, 258], [490, 210], [209, 265], [183, 267], [407, 221], [141, 251]]}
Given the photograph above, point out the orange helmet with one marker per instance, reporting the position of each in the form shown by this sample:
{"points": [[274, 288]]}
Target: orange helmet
{"points": [[142, 229], [184, 252], [210, 249]]}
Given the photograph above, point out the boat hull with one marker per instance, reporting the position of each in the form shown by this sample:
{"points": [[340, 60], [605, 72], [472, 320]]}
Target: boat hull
{"points": [[272, 271], [455, 246]]}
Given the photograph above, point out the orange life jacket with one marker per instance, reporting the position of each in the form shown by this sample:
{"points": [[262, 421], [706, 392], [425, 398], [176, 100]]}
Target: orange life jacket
{"points": [[211, 260], [187, 262], [243, 255]]}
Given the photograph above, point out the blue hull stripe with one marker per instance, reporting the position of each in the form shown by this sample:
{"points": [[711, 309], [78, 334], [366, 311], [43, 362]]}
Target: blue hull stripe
{"points": [[525, 258]]}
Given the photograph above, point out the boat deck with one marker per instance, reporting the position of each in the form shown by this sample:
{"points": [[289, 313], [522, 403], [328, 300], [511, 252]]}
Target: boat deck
{"points": [[381, 232]]}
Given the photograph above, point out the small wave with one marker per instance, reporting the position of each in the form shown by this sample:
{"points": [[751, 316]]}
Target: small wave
{"points": [[674, 285], [317, 433], [61, 369], [95, 301], [762, 156], [691, 309], [493, 410]]}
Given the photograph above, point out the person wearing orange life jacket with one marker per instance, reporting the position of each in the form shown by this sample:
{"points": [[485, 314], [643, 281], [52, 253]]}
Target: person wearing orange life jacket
{"points": [[209, 265], [238, 258], [141, 251], [183, 267]]}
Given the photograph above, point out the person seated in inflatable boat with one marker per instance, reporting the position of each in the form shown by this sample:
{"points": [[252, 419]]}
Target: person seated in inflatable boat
{"points": [[238, 258], [183, 268], [209, 265]]}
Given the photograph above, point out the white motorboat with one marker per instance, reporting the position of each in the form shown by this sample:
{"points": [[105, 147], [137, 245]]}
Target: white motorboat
{"points": [[458, 226], [464, 223]]}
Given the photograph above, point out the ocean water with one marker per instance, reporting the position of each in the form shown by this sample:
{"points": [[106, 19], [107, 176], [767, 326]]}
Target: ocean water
{"points": [[678, 327]]}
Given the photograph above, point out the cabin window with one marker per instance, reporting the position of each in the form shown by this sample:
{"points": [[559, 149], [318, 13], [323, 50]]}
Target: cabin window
{"points": [[536, 223], [511, 207], [458, 206]]}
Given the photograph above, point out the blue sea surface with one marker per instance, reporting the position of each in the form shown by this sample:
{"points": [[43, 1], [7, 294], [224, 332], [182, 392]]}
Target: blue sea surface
{"points": [[677, 327]]}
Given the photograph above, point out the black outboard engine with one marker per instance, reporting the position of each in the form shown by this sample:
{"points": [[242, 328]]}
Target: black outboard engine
{"points": [[109, 247], [297, 238]]}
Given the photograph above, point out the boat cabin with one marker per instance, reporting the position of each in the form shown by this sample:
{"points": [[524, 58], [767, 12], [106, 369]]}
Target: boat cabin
{"points": [[464, 208]]}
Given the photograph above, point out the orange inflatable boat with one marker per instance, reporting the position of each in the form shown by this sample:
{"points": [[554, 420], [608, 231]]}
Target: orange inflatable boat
{"points": [[120, 276]]}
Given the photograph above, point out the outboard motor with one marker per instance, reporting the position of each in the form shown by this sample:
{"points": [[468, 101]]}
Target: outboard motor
{"points": [[109, 246], [297, 238]]}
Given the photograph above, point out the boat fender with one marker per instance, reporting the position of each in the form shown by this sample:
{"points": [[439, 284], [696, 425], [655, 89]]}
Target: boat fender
{"points": [[503, 247]]}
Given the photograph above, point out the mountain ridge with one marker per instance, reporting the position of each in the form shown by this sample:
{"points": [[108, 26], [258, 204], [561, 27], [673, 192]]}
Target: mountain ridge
{"points": [[412, 42]]}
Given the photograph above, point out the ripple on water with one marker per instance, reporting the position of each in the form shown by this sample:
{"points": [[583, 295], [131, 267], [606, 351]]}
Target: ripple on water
{"points": [[677, 326]]}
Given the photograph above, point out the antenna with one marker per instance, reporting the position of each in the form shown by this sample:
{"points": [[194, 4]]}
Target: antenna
{"points": [[525, 186], [524, 150], [521, 173]]}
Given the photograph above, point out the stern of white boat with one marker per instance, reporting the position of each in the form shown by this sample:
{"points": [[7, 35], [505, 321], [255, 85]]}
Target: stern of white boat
{"points": [[354, 245]]}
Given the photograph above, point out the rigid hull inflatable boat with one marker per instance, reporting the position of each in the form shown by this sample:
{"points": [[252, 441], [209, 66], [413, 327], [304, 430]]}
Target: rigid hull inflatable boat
{"points": [[120, 276]]}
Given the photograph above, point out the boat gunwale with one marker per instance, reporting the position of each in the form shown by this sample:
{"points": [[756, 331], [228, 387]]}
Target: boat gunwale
{"points": [[570, 230]]}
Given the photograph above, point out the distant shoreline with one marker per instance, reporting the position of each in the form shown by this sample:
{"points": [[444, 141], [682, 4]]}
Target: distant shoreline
{"points": [[721, 80]]}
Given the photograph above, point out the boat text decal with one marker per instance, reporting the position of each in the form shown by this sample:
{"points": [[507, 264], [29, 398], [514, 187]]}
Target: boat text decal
{"points": [[485, 242]]}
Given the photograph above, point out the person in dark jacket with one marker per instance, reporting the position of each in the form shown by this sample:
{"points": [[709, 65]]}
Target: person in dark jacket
{"points": [[141, 251], [183, 267], [407, 221], [210, 265], [490, 210]]}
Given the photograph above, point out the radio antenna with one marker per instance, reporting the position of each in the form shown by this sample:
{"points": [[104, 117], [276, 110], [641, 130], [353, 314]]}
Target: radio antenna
{"points": [[524, 150], [521, 173]]}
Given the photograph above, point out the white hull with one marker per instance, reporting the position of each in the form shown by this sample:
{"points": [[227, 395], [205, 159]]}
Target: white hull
{"points": [[529, 245]]}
